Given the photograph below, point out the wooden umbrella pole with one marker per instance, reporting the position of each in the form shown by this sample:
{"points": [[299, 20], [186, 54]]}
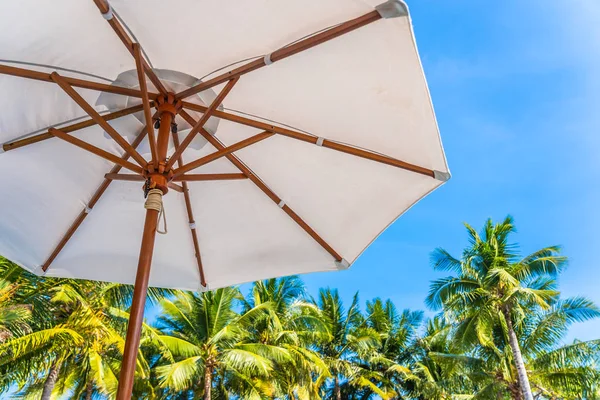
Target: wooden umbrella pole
{"points": [[167, 110], [136, 314]]}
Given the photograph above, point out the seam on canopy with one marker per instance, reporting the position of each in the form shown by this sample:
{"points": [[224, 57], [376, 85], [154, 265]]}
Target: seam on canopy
{"points": [[133, 36], [269, 120], [58, 124], [265, 55], [229, 65], [309, 35], [57, 68]]}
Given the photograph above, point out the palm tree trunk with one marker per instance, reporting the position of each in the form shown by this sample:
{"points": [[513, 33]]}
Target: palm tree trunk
{"points": [[336, 389], [518, 358], [515, 391], [88, 391], [50, 381], [207, 382]]}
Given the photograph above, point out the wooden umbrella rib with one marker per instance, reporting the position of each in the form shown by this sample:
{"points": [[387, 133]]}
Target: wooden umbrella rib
{"points": [[208, 177], [261, 185], [191, 221], [81, 83], [176, 187], [370, 155], [69, 128], [104, 8], [98, 118], [137, 54], [95, 150], [124, 177], [84, 213], [200, 124], [220, 153], [285, 52]]}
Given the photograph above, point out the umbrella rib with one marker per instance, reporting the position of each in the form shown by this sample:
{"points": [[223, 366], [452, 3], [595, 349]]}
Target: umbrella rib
{"points": [[84, 213], [344, 148], [96, 150], [137, 54], [285, 52], [261, 185], [69, 128], [205, 116], [208, 177], [81, 83], [181, 178], [106, 11], [176, 187], [177, 173], [98, 118], [124, 177], [190, 213]]}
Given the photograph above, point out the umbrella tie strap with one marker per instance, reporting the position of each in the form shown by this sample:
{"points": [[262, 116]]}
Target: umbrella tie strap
{"points": [[109, 14], [154, 202]]}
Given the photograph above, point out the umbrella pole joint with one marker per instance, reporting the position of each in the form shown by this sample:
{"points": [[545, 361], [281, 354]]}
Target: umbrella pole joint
{"points": [[167, 107]]}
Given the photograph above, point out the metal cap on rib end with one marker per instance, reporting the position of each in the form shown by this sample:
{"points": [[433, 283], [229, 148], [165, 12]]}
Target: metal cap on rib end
{"points": [[203, 289], [2, 149], [39, 270], [441, 176], [392, 9], [342, 264]]}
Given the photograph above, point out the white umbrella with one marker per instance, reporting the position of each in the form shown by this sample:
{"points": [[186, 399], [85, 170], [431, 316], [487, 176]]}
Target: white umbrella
{"points": [[304, 128]]}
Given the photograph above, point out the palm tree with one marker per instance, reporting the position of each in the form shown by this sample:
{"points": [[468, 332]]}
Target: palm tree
{"points": [[294, 326], [350, 341], [13, 314], [431, 376], [561, 371], [78, 341], [493, 291], [565, 372], [397, 331], [204, 349]]}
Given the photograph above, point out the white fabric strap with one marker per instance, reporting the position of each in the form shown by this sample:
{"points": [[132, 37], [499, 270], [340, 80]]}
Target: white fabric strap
{"points": [[281, 204], [87, 210], [109, 14], [192, 225], [320, 141], [267, 59]]}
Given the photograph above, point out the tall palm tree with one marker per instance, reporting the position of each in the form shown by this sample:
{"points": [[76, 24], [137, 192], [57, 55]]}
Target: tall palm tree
{"points": [[555, 371], [204, 348], [493, 289]]}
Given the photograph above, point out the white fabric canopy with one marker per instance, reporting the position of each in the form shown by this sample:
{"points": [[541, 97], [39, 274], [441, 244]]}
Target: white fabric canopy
{"points": [[365, 88]]}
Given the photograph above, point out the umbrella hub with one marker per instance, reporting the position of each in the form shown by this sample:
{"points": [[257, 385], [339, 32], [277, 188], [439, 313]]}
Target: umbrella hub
{"points": [[168, 103], [157, 177]]}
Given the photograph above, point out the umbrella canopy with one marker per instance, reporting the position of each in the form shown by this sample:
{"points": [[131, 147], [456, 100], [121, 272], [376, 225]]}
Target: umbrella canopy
{"points": [[317, 131], [289, 133]]}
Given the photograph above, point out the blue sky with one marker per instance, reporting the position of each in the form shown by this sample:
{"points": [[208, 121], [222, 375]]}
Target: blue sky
{"points": [[516, 90]]}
